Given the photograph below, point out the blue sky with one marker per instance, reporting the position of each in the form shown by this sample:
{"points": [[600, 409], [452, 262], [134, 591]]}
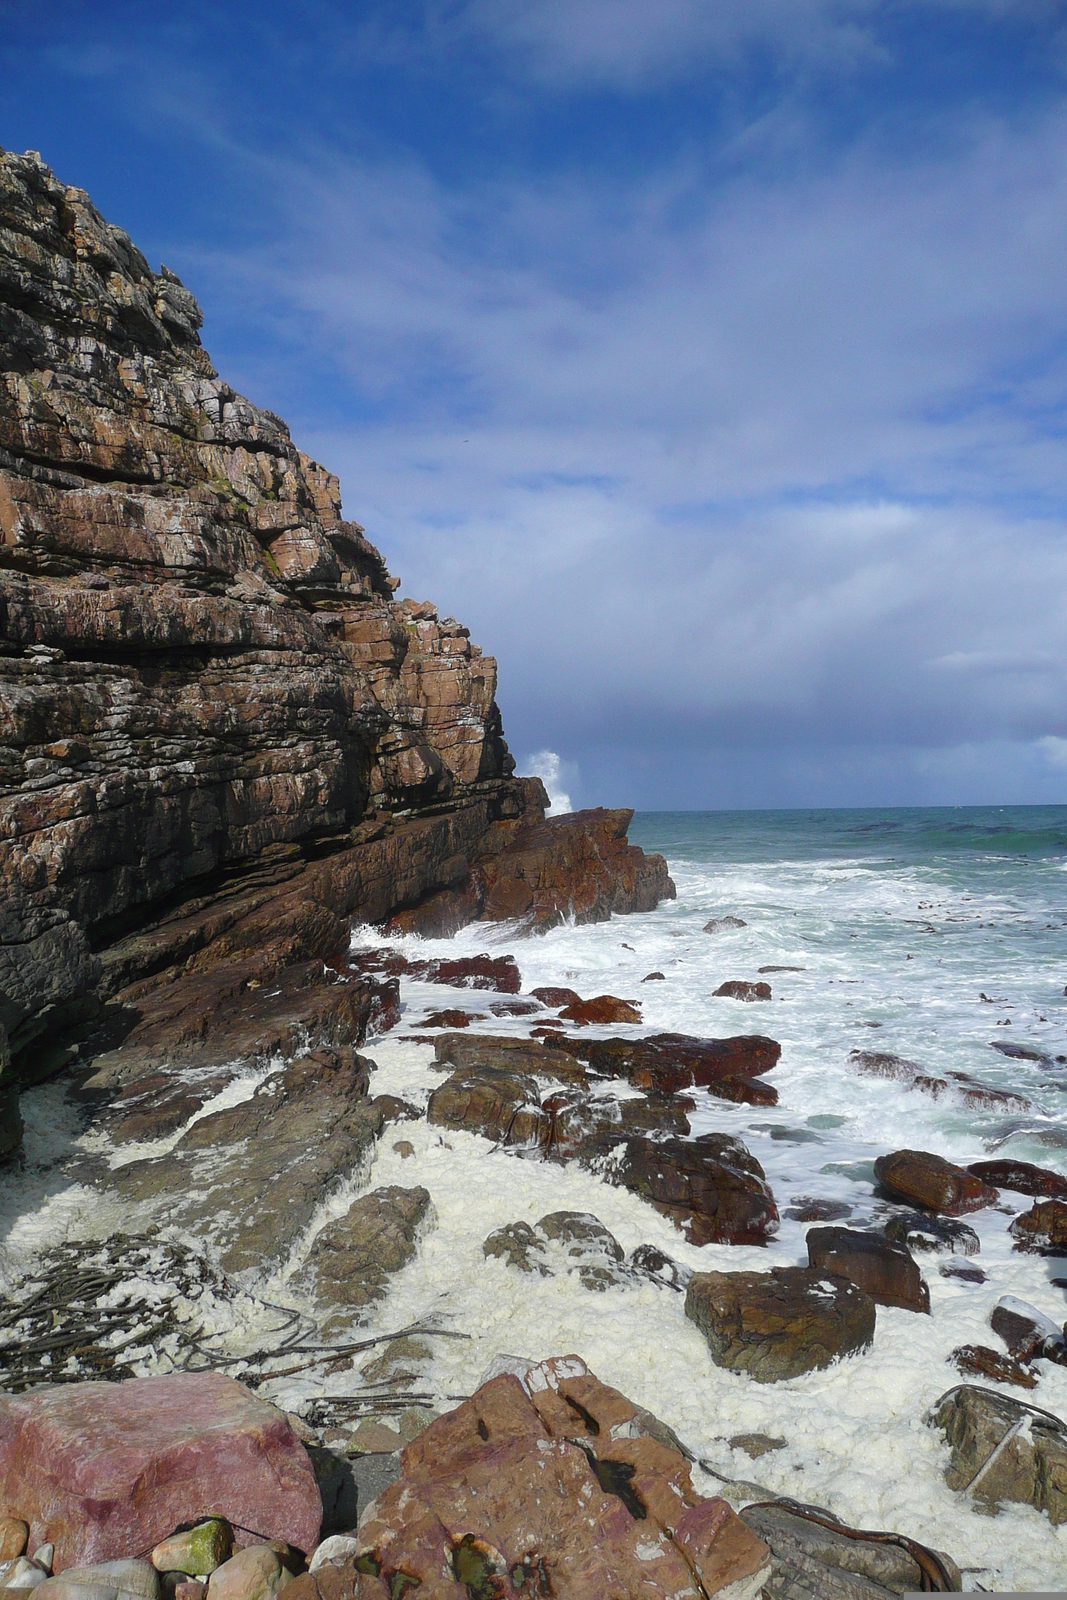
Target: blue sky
{"points": [[707, 357]]}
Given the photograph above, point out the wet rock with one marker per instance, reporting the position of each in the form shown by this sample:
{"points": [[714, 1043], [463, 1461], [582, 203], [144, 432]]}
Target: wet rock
{"points": [[931, 1181], [252, 1574], [761, 970], [710, 1187], [1027, 1332], [653, 977], [584, 1247], [274, 1158], [506, 1054], [352, 1259], [1021, 1176], [1003, 1449], [499, 973], [828, 1560], [739, 989], [156, 1106], [586, 1127], [882, 1064], [14, 1536], [601, 1011], [519, 1245], [104, 1580], [516, 1008], [978, 1361], [649, 1261], [668, 1063], [880, 1267], [556, 997], [503, 1106], [779, 1324], [1043, 1229], [921, 1232], [723, 924], [450, 1018], [1020, 1052], [806, 1208], [393, 1109], [966, 1274], [200, 1549], [101, 1467], [556, 1473]]}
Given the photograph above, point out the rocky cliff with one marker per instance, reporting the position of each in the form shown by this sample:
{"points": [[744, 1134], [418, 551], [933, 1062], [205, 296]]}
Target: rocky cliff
{"points": [[222, 739]]}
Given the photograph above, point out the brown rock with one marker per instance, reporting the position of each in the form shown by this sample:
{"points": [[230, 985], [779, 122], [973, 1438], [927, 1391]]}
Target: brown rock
{"points": [[931, 1181], [587, 1127], [503, 1106], [504, 1053], [1026, 1331], [100, 1469], [451, 1018], [884, 1270], [338, 1582], [882, 1064], [815, 1554], [14, 1536], [499, 973], [806, 1208], [1043, 1229], [1021, 1176], [556, 997], [739, 989], [602, 1010], [711, 1187], [978, 1361], [779, 1324], [351, 1260], [1003, 1449]]}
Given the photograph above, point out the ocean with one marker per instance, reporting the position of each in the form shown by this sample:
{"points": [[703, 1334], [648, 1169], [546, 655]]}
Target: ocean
{"points": [[935, 934]]}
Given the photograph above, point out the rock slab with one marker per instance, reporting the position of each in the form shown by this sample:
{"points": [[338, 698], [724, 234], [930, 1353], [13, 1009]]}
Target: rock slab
{"points": [[103, 1469], [781, 1323]]}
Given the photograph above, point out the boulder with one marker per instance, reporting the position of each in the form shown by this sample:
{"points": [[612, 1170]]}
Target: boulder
{"points": [[884, 1270], [1027, 1332], [739, 989], [1043, 1229], [921, 1232], [100, 1469], [556, 997], [450, 1018], [809, 1208], [503, 1106], [710, 1187], [255, 1573], [601, 1011], [105, 1580], [817, 1555], [341, 1581], [589, 1126], [552, 1482], [781, 1323], [654, 977], [516, 1008], [199, 1549], [352, 1259], [1003, 1450], [498, 973], [931, 1181], [583, 1246], [961, 1271], [723, 924], [14, 1536], [667, 1063], [1022, 1177], [978, 1361]]}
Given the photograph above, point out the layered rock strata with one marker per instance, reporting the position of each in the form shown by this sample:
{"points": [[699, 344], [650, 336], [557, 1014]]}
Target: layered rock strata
{"points": [[221, 736]]}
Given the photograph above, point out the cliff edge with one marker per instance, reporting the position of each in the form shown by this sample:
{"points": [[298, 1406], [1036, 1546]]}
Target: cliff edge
{"points": [[222, 739]]}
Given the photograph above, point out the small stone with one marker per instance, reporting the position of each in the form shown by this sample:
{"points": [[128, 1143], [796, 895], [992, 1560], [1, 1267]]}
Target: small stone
{"points": [[808, 1209], [724, 924], [958, 1269], [44, 1555], [756, 1444], [14, 1537], [601, 1010], [190, 1589], [253, 1574], [653, 977], [404, 1149], [22, 1573], [199, 1550], [338, 1548]]}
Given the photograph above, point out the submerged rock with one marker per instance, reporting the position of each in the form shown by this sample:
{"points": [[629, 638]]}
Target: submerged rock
{"points": [[781, 1323], [723, 924], [601, 1011], [105, 1468], [1003, 1449], [587, 1248], [978, 1361], [739, 989], [352, 1259], [933, 1182]]}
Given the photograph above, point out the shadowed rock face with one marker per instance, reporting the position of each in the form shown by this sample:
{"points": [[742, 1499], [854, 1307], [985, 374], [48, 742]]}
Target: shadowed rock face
{"points": [[211, 706]]}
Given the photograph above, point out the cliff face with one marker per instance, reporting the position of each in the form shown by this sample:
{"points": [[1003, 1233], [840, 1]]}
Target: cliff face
{"points": [[219, 731]]}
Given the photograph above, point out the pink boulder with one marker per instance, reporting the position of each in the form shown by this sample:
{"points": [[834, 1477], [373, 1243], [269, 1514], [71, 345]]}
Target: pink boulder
{"points": [[107, 1470]]}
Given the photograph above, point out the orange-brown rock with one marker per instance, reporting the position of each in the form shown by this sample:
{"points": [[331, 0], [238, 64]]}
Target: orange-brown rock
{"points": [[1022, 1176], [978, 1361], [1043, 1229], [601, 1011], [931, 1181]]}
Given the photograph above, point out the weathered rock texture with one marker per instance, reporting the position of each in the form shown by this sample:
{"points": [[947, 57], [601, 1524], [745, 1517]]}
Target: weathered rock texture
{"points": [[220, 735], [103, 1469]]}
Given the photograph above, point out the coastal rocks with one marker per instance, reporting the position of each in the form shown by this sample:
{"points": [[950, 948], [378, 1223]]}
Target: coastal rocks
{"points": [[779, 1324], [922, 1232], [711, 1187], [504, 1053], [882, 1064], [352, 1259], [450, 1018], [1021, 1176], [556, 997], [252, 1574], [583, 1246], [104, 1580], [739, 989], [931, 1181], [556, 1483], [978, 1361], [723, 924], [1003, 1450], [273, 1157], [881, 1268], [14, 1537], [814, 1554], [100, 1469], [1026, 1331], [669, 1062], [10, 1116], [1043, 1229], [199, 1549], [587, 1127], [601, 1011], [502, 1106]]}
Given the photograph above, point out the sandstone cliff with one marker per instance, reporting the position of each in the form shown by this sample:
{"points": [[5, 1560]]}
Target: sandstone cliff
{"points": [[221, 737]]}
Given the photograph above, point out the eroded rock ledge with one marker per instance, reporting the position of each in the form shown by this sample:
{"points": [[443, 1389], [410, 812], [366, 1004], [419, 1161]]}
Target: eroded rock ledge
{"points": [[220, 734]]}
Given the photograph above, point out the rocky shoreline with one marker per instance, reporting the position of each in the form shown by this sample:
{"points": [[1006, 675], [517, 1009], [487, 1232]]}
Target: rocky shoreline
{"points": [[227, 745]]}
